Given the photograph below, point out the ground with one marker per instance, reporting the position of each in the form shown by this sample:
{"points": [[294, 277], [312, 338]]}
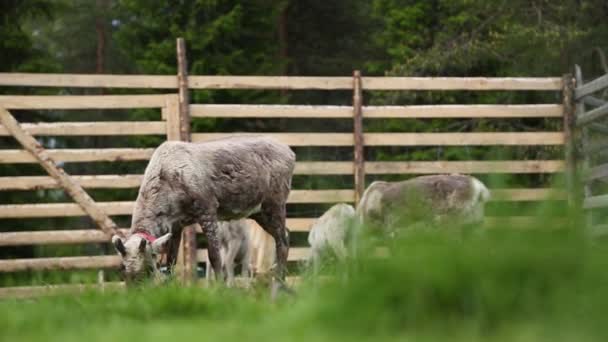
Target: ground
{"points": [[504, 285]]}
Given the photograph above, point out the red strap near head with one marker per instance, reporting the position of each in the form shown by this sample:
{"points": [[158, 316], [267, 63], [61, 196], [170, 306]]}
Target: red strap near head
{"points": [[151, 238]]}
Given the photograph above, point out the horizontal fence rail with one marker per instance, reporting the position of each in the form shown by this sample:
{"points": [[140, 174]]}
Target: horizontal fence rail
{"points": [[296, 196], [62, 263], [317, 168], [405, 139], [79, 155], [25, 292], [280, 82], [83, 101], [376, 112], [93, 128]]}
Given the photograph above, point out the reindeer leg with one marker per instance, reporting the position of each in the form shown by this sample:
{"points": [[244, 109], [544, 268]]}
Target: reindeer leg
{"points": [[213, 246], [272, 219]]}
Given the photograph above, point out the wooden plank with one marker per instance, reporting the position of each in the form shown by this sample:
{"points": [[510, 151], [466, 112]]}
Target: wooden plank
{"points": [[170, 113], [536, 194], [295, 254], [126, 207], [53, 237], [277, 82], [269, 111], [61, 209], [404, 139], [297, 196], [109, 128], [183, 91], [464, 111], [593, 101], [592, 115], [374, 112], [86, 202], [293, 139], [304, 224], [321, 196], [88, 80], [461, 83], [45, 182], [475, 167], [81, 101], [324, 168], [359, 157], [27, 292], [594, 202], [569, 117], [430, 167], [299, 224], [591, 87], [598, 172], [464, 139], [63, 263], [269, 82], [79, 155]]}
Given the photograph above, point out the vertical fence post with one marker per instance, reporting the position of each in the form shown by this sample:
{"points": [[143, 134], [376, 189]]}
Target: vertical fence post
{"points": [[184, 98], [359, 158], [187, 249], [568, 85], [579, 110]]}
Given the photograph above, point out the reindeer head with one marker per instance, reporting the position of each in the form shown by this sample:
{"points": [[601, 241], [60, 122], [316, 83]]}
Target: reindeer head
{"points": [[139, 255]]}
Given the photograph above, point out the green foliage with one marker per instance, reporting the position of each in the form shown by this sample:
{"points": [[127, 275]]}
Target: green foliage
{"points": [[502, 285]]}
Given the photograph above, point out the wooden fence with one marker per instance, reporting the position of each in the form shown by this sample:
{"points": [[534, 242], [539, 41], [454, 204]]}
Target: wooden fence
{"points": [[168, 124], [591, 113]]}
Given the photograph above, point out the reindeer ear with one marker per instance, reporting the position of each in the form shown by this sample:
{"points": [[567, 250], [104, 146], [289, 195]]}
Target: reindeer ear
{"points": [[159, 244], [142, 245], [120, 247]]}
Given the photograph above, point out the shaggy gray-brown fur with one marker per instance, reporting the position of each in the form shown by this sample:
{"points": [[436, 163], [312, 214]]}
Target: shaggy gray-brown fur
{"points": [[204, 183], [234, 248], [437, 200], [329, 233]]}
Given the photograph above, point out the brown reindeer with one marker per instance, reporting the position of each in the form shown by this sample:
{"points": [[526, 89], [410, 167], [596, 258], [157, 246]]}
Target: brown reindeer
{"points": [[224, 179]]}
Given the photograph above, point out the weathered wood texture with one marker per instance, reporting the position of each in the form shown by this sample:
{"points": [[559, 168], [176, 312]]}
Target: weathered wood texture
{"points": [[26, 292], [79, 155], [63, 263], [108, 128], [405, 139], [82, 101], [278, 82], [83, 199], [296, 196], [591, 87], [375, 112], [45, 182], [88, 80], [54, 237], [569, 118], [295, 254], [183, 93], [314, 168], [359, 156]]}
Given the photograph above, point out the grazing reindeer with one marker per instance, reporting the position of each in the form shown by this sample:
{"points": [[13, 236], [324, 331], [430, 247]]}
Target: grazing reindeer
{"points": [[234, 248], [329, 233], [436, 200], [224, 179]]}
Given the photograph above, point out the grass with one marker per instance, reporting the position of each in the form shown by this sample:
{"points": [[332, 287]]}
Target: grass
{"points": [[502, 285]]}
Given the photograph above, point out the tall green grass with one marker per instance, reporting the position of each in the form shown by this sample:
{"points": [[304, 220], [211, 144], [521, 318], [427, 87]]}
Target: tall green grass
{"points": [[500, 284]]}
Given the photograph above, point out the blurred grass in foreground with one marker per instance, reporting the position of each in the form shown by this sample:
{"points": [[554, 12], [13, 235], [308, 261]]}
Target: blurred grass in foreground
{"points": [[497, 285]]}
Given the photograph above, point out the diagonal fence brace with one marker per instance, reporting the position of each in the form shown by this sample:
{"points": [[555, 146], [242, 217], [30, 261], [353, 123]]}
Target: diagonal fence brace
{"points": [[74, 189]]}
